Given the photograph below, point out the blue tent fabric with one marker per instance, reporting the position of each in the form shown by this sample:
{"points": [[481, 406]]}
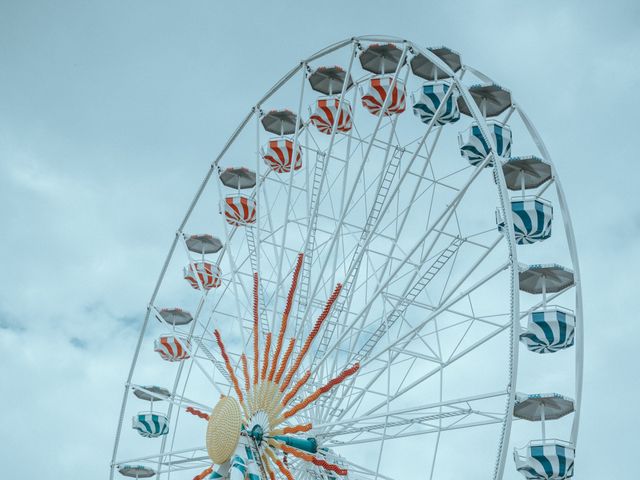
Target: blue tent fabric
{"points": [[431, 97], [476, 148], [549, 331]]}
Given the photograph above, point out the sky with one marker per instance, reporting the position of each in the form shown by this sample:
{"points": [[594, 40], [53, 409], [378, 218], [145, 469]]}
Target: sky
{"points": [[110, 113]]}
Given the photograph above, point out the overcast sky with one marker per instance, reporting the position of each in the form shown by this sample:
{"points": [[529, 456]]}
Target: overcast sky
{"points": [[110, 113]]}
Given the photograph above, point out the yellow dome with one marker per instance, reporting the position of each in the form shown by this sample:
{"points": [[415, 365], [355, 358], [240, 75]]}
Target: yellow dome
{"points": [[223, 431]]}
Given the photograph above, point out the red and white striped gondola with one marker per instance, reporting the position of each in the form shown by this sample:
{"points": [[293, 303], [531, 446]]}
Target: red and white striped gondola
{"points": [[279, 155], [239, 210], [379, 88], [172, 348], [206, 274], [327, 109]]}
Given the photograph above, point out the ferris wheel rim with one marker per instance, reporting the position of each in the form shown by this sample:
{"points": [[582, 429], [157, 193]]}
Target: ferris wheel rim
{"points": [[504, 205]]}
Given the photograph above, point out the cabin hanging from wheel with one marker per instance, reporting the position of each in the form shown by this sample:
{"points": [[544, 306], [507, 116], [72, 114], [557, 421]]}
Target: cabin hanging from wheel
{"points": [[545, 460], [203, 275], [476, 148], [172, 348], [434, 96], [279, 155], [239, 210], [329, 111], [150, 425], [549, 330], [532, 217], [376, 95]]}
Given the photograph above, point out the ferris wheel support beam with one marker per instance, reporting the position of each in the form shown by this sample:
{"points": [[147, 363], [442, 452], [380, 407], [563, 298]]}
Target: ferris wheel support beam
{"points": [[406, 213], [456, 426], [367, 235], [404, 411], [505, 205], [387, 173], [409, 288], [397, 189], [385, 104], [416, 246], [309, 243], [185, 451], [277, 292], [405, 339], [573, 251]]}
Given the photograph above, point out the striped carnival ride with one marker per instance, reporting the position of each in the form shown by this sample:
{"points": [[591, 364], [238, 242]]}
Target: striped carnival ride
{"points": [[376, 278]]}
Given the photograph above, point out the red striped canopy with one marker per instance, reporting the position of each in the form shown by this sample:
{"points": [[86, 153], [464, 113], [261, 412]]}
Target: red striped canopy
{"points": [[172, 348], [279, 154], [326, 112], [208, 274], [379, 88], [239, 210]]}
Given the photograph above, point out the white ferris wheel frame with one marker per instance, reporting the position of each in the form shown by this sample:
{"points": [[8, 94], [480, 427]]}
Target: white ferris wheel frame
{"points": [[515, 314]]}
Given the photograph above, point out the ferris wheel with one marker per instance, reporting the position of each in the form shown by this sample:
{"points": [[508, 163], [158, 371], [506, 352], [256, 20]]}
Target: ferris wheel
{"points": [[376, 278]]}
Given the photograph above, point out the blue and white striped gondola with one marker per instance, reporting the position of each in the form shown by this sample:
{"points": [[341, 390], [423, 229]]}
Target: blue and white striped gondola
{"points": [[531, 220], [549, 330], [431, 96], [476, 148], [243, 463], [151, 425], [545, 460]]}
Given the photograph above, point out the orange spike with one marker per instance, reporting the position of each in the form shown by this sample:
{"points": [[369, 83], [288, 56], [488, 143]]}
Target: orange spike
{"points": [[245, 371], [324, 389], [297, 428], [295, 388], [228, 365], [265, 361], [285, 359], [285, 471], [310, 458], [197, 413], [203, 474], [312, 335], [285, 315], [256, 350]]}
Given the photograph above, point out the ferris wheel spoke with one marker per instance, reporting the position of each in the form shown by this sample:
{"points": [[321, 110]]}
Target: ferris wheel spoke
{"points": [[426, 431], [401, 342], [445, 364], [446, 213], [182, 456], [402, 348], [357, 178], [377, 212], [405, 415], [386, 178], [318, 180], [296, 140], [404, 214]]}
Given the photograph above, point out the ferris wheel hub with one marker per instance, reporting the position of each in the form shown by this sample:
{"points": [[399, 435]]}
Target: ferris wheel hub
{"points": [[223, 431]]}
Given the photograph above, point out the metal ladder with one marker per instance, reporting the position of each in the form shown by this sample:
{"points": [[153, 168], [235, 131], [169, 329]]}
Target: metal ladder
{"points": [[305, 277], [409, 298], [253, 255], [381, 194], [207, 353]]}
